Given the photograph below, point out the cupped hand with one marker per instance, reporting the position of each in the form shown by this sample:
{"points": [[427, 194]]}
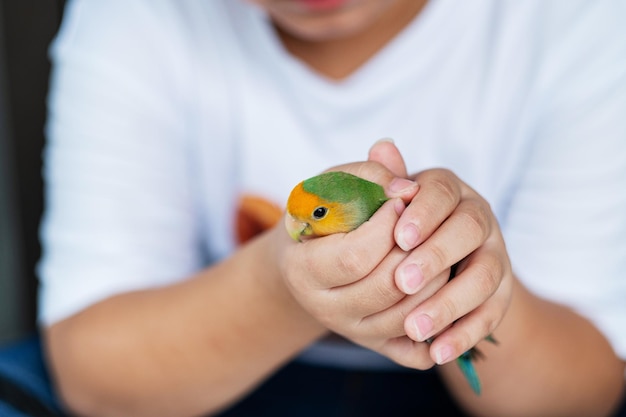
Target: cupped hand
{"points": [[346, 280], [386, 284], [448, 224]]}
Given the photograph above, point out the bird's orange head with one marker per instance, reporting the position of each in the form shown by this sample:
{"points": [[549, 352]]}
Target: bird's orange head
{"points": [[309, 215]]}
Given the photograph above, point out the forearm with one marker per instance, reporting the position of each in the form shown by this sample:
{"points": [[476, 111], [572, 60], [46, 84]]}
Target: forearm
{"points": [[185, 349], [555, 362]]}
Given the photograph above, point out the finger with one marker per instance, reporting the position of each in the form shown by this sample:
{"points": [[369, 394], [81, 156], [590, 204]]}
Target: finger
{"points": [[373, 294], [407, 352], [344, 258], [438, 195], [472, 287], [461, 336], [390, 321], [471, 329], [386, 153], [464, 231]]}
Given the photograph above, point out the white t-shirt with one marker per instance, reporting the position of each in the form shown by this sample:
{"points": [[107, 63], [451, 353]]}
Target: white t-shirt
{"points": [[164, 113]]}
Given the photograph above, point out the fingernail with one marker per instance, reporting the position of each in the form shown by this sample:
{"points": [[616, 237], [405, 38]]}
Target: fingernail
{"points": [[401, 185], [383, 140], [443, 354], [408, 237], [423, 327], [411, 277]]}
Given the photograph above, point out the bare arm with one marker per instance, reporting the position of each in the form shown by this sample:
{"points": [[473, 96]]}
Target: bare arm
{"points": [[184, 349], [549, 362], [199, 345]]}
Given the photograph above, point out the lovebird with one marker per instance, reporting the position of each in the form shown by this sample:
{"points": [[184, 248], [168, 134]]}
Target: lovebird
{"points": [[333, 202], [338, 202]]}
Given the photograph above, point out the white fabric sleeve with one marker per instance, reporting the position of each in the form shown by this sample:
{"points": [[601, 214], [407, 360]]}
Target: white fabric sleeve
{"points": [[119, 211], [566, 230]]}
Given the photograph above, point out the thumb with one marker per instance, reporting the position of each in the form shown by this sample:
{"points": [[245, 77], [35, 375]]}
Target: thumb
{"points": [[386, 153]]}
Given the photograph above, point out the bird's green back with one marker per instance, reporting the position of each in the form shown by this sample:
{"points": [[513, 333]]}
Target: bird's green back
{"points": [[343, 187]]}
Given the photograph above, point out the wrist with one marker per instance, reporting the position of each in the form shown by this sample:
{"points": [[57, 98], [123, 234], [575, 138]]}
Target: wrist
{"points": [[270, 256]]}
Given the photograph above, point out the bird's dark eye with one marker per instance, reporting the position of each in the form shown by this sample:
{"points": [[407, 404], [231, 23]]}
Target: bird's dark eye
{"points": [[320, 212]]}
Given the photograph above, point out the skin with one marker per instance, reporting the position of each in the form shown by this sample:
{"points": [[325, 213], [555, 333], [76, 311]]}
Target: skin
{"points": [[336, 43], [146, 353]]}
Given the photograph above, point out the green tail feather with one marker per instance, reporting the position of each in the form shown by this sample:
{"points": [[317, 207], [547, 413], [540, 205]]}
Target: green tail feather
{"points": [[467, 367], [465, 362]]}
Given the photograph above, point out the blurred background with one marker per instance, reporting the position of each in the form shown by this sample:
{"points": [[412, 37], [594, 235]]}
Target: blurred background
{"points": [[26, 29]]}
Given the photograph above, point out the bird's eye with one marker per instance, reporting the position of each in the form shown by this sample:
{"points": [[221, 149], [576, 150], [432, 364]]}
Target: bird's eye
{"points": [[320, 212]]}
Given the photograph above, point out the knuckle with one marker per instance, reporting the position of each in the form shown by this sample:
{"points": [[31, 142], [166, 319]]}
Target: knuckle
{"points": [[448, 190], [449, 309], [464, 338], [475, 218], [383, 324], [396, 324], [489, 327], [439, 256], [482, 329], [487, 277], [467, 341], [352, 263], [377, 293], [443, 173], [384, 292]]}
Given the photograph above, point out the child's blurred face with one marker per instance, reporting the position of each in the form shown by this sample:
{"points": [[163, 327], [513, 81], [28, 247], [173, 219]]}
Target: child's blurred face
{"points": [[324, 19]]}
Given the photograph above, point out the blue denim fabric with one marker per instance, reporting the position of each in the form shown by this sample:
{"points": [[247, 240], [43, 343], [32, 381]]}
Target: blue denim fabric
{"points": [[8, 411], [22, 368], [296, 390]]}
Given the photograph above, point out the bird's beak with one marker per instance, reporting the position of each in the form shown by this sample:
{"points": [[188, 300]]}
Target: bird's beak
{"points": [[296, 228]]}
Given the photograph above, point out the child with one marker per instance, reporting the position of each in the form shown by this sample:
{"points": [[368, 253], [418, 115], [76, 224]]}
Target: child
{"points": [[177, 129]]}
